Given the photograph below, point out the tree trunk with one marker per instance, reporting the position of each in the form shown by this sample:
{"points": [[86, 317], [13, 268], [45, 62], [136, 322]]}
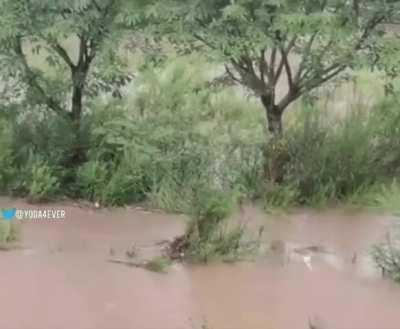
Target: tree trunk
{"points": [[274, 117], [78, 154], [275, 154], [77, 97], [78, 81]]}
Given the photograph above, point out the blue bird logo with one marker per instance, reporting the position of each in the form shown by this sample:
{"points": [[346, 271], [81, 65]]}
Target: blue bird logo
{"points": [[9, 214]]}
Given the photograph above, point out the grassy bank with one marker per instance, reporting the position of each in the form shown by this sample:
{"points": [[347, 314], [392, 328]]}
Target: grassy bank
{"points": [[172, 135]]}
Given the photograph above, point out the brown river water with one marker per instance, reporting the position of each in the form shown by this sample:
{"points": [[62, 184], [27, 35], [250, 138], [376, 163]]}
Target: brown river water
{"points": [[62, 279]]}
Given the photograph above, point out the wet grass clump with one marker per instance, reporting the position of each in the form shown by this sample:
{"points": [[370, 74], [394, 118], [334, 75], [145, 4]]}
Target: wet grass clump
{"points": [[209, 234], [9, 234], [387, 255], [379, 197], [158, 264]]}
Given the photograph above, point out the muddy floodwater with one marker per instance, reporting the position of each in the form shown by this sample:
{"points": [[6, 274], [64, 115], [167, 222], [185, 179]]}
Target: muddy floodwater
{"points": [[61, 278]]}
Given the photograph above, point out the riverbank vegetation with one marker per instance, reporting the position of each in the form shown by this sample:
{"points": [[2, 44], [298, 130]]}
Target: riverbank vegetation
{"points": [[172, 135], [9, 234], [200, 110], [387, 255]]}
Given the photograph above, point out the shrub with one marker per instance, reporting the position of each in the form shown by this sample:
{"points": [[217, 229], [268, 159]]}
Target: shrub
{"points": [[241, 168], [208, 235], [380, 196], [387, 255], [9, 232], [328, 159], [333, 159], [170, 196], [384, 129], [91, 179], [44, 134], [157, 150], [38, 139], [281, 196], [43, 185], [7, 169], [130, 181]]}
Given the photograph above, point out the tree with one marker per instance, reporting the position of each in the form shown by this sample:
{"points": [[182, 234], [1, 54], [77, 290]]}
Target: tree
{"points": [[45, 27], [267, 44], [264, 42]]}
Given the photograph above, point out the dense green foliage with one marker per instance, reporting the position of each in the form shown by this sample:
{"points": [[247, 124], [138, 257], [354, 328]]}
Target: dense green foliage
{"points": [[331, 159], [153, 146], [57, 54]]}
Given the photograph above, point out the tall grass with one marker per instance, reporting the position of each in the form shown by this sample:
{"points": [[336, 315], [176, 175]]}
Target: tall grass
{"points": [[331, 159], [380, 197]]}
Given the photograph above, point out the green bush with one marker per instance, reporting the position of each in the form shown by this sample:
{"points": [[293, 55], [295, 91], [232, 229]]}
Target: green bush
{"points": [[43, 185], [380, 196], [91, 180], [209, 236], [129, 181], [387, 255], [281, 196], [210, 207], [384, 130], [170, 196], [328, 160], [44, 134], [9, 232], [39, 153], [242, 168], [159, 149], [7, 169], [333, 159]]}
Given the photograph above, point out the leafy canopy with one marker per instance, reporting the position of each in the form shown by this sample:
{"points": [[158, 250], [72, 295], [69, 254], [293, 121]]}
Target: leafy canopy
{"points": [[302, 43], [78, 39]]}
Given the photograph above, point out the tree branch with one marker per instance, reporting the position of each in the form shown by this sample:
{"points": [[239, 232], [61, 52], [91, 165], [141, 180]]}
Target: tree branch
{"points": [[372, 24], [278, 72], [263, 65], [62, 53], [232, 76], [287, 68], [200, 38], [290, 97], [337, 67], [306, 53], [322, 77], [33, 80], [284, 60], [272, 61]]}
